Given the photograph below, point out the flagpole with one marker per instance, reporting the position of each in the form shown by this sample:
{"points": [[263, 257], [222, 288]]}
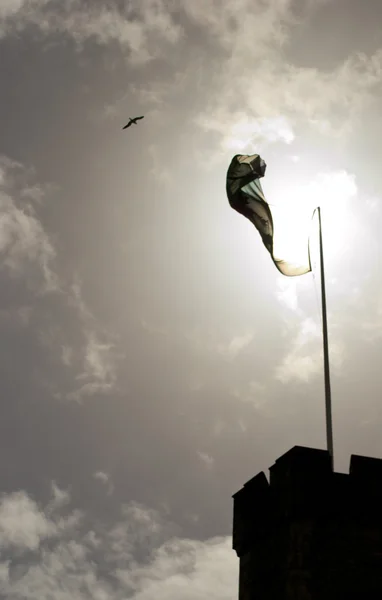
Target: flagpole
{"points": [[328, 399]]}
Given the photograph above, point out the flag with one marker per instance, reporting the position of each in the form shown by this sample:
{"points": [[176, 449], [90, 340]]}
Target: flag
{"points": [[284, 233]]}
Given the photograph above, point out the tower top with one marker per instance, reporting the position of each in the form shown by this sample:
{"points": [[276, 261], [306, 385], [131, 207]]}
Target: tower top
{"points": [[303, 485], [309, 532]]}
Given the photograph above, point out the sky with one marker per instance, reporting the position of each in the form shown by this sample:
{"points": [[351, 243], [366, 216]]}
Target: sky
{"points": [[153, 359]]}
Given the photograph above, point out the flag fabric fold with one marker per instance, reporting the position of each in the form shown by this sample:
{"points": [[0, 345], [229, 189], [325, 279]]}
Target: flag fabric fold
{"points": [[245, 195]]}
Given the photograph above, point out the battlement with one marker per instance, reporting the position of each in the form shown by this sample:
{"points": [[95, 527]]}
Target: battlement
{"points": [[302, 486]]}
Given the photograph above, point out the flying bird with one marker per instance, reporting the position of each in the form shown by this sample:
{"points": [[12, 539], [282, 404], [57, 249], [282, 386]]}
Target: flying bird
{"points": [[132, 121]]}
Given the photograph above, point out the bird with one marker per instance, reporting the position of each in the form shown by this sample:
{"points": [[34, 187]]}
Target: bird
{"points": [[131, 121]]}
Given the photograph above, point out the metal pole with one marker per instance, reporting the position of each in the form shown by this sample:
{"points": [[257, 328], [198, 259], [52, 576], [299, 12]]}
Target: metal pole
{"points": [[328, 399]]}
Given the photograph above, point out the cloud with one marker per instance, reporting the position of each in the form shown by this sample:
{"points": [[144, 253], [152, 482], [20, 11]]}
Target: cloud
{"points": [[233, 29], [338, 196], [233, 348], [26, 250], [287, 293], [301, 362], [297, 367], [254, 94], [4, 573], [241, 132], [206, 459], [305, 357], [138, 556], [186, 569], [9, 8], [97, 363], [101, 476], [23, 243], [99, 369], [22, 524], [92, 346], [254, 393], [60, 497], [142, 29], [105, 480], [295, 202], [270, 97], [27, 254]]}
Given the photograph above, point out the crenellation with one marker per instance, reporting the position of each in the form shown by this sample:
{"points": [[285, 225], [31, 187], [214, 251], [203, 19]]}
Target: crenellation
{"points": [[310, 533]]}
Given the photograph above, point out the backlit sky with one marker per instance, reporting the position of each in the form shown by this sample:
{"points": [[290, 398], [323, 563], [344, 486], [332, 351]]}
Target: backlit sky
{"points": [[152, 357]]}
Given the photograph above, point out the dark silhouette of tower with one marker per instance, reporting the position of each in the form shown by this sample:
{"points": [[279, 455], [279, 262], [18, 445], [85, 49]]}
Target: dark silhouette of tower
{"points": [[310, 533]]}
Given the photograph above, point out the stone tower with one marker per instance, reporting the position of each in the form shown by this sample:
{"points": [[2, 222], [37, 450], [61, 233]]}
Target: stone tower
{"points": [[310, 533]]}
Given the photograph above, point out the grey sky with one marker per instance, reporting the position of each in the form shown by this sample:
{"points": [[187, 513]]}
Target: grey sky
{"points": [[152, 357]]}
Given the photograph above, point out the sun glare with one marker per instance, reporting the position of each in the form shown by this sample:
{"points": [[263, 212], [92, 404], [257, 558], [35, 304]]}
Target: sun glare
{"points": [[244, 132], [293, 210], [292, 206]]}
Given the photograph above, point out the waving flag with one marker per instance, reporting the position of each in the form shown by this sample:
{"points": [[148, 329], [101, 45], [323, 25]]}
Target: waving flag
{"points": [[287, 243]]}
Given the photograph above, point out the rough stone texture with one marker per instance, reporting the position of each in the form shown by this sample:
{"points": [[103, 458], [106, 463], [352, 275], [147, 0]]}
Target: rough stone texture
{"points": [[310, 534]]}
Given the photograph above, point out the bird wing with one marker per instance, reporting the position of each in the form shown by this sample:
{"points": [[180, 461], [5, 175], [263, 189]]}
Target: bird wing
{"points": [[126, 126], [137, 118]]}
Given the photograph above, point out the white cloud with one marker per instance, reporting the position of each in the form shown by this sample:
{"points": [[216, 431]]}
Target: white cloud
{"points": [[60, 497], [233, 348], [98, 353], [90, 355], [24, 243], [139, 530], [245, 28], [4, 573], [335, 192], [26, 250], [301, 362], [206, 459], [240, 132], [179, 568], [287, 293], [300, 368], [99, 374], [27, 253], [254, 95], [305, 357], [253, 392], [105, 479], [142, 28], [8, 8], [258, 96], [186, 569], [97, 360], [101, 476], [22, 524]]}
